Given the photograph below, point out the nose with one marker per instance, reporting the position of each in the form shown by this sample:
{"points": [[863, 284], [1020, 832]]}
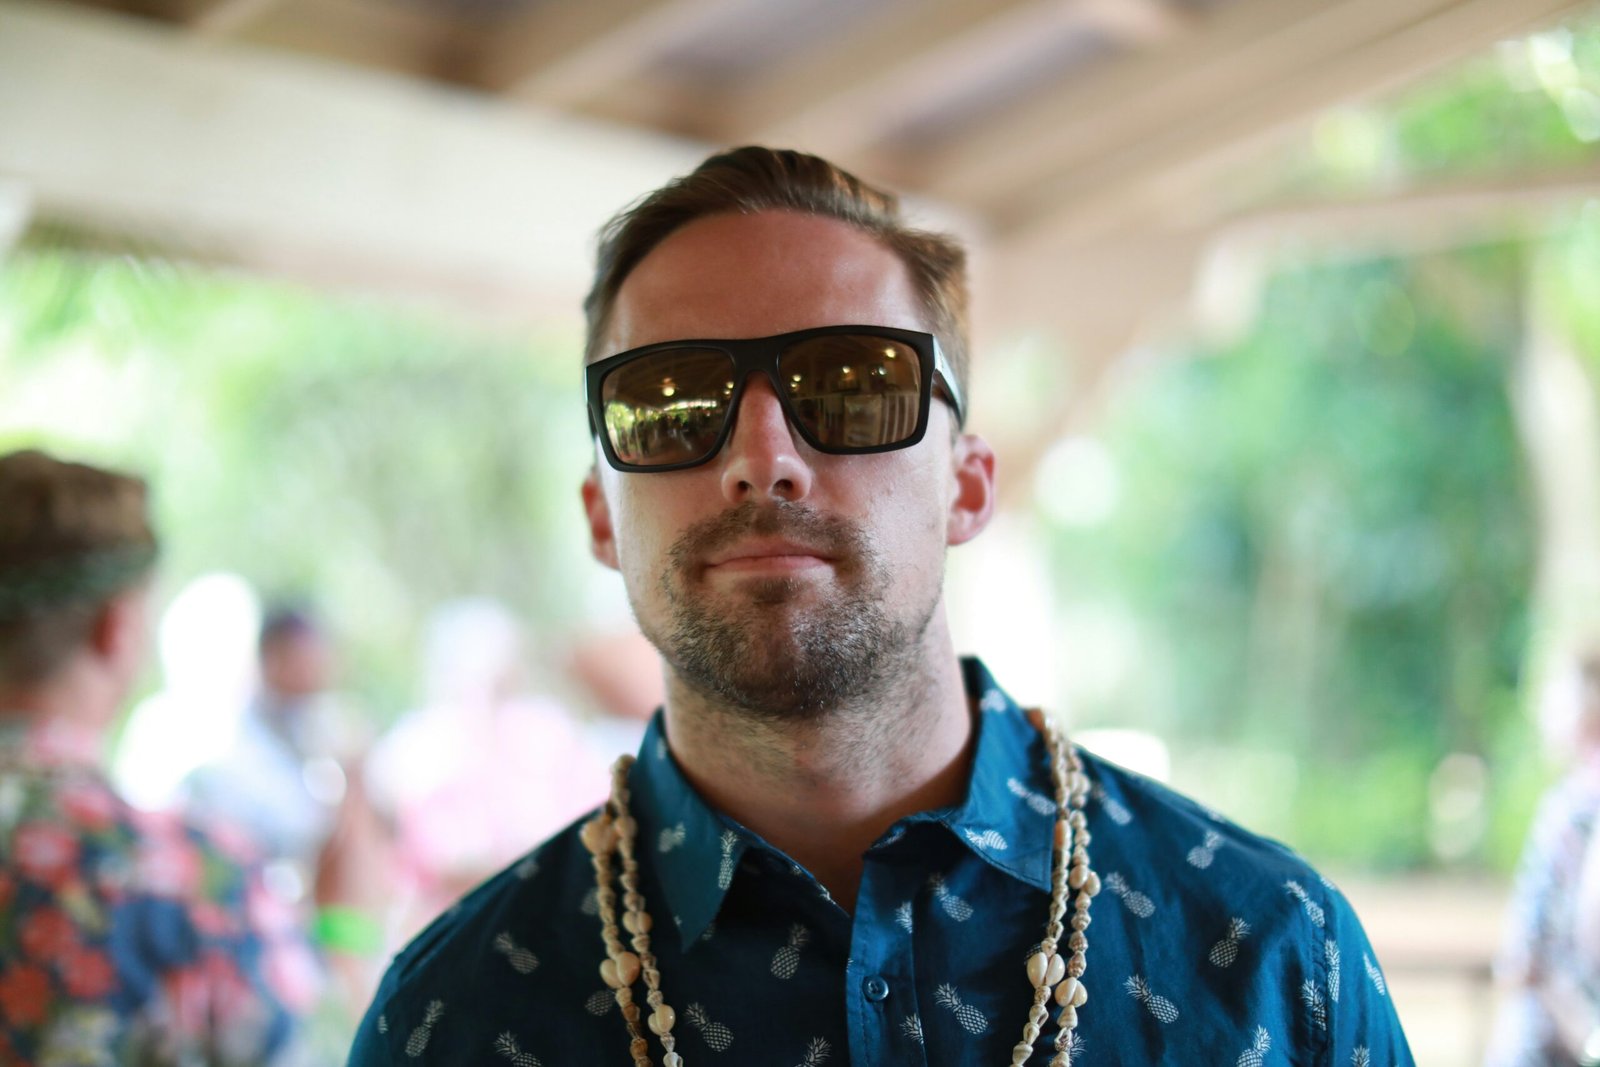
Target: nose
{"points": [[761, 461]]}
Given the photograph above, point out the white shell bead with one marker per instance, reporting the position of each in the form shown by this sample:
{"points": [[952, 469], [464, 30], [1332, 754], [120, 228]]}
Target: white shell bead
{"points": [[672, 1059], [1068, 1017], [662, 1019], [1038, 967], [637, 922], [1057, 968], [1065, 991]]}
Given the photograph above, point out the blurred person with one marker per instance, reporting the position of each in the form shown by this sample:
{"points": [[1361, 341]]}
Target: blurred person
{"points": [[281, 778], [1549, 966], [484, 766], [839, 841], [291, 780], [125, 938]]}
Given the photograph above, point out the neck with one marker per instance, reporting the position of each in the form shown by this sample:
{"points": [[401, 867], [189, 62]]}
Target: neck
{"points": [[823, 789], [76, 697]]}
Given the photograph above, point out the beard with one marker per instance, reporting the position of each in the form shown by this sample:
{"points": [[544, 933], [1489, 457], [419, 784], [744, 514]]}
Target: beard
{"points": [[775, 649]]}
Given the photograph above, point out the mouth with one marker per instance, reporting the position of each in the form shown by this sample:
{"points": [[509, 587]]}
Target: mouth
{"points": [[767, 556]]}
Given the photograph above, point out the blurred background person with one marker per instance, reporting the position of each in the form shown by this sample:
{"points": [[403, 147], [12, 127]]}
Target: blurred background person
{"points": [[124, 937], [484, 766], [291, 781], [1549, 976]]}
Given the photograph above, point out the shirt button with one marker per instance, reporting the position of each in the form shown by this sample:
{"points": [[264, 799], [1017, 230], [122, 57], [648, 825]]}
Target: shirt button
{"points": [[875, 988]]}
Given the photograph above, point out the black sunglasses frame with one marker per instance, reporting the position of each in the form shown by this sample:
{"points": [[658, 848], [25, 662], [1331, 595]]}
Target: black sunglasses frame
{"points": [[760, 355]]}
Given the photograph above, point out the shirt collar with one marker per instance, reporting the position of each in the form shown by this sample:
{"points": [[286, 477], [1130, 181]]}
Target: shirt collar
{"points": [[1007, 818], [1009, 815]]}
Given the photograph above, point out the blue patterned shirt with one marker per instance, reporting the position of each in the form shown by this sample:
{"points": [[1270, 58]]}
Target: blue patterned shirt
{"points": [[1208, 944]]}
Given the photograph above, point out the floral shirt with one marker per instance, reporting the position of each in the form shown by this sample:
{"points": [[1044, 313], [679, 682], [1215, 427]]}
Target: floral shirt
{"points": [[129, 938], [1540, 942], [1208, 944]]}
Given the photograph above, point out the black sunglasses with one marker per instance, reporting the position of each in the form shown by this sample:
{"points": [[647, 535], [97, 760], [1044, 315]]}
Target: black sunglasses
{"points": [[847, 389]]}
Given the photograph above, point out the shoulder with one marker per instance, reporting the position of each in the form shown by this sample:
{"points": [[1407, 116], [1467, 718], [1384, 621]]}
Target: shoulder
{"points": [[1256, 927], [501, 957], [1166, 829]]}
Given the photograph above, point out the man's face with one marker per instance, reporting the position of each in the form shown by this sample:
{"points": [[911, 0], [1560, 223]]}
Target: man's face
{"points": [[776, 577]]}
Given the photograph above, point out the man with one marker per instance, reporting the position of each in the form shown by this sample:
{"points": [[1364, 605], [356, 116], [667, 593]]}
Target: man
{"points": [[840, 843], [124, 938]]}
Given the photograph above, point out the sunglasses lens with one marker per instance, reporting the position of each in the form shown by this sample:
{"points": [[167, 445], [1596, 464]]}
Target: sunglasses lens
{"points": [[667, 407], [853, 390]]}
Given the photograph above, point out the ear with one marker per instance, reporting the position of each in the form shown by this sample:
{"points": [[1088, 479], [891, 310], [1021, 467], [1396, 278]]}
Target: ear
{"points": [[602, 540], [118, 633], [972, 462]]}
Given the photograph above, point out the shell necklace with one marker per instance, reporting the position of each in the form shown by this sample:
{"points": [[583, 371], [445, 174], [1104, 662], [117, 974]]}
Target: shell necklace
{"points": [[612, 832]]}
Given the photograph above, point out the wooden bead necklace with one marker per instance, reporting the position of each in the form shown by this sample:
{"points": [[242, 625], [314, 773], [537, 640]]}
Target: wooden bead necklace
{"points": [[612, 832]]}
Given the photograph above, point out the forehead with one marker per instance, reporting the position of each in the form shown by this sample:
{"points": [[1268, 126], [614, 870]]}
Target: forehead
{"points": [[732, 276]]}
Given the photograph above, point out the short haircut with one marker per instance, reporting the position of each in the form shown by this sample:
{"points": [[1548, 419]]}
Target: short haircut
{"points": [[753, 179], [71, 537], [284, 622]]}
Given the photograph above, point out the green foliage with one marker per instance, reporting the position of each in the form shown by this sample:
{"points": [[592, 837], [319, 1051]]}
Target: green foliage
{"points": [[375, 461], [1326, 535]]}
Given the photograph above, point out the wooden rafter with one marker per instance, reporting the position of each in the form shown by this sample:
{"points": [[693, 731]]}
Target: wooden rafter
{"points": [[846, 96], [1126, 99], [225, 18], [1124, 185], [564, 53]]}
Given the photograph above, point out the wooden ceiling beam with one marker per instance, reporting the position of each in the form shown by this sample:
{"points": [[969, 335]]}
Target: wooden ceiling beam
{"points": [[1123, 188], [830, 84], [845, 101], [1123, 100], [225, 18], [564, 53]]}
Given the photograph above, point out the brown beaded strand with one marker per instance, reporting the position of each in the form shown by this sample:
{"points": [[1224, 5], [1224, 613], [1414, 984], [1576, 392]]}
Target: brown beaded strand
{"points": [[614, 830], [638, 922]]}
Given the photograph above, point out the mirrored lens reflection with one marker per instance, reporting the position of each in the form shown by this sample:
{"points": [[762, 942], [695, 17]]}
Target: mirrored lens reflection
{"points": [[668, 407], [853, 391]]}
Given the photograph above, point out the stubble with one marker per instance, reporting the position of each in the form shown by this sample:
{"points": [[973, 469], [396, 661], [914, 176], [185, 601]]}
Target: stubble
{"points": [[774, 649]]}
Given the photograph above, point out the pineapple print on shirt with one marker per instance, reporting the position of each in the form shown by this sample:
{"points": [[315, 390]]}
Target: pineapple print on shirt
{"points": [[992, 840], [1333, 970], [1041, 804], [1311, 997], [671, 838], [1224, 952], [716, 1036], [1114, 810], [786, 961], [971, 1019], [725, 868], [417, 1043], [817, 1053], [506, 1045], [1163, 1010], [1313, 909], [1202, 854], [953, 906], [1375, 974], [1255, 1055], [1136, 902], [522, 961]]}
